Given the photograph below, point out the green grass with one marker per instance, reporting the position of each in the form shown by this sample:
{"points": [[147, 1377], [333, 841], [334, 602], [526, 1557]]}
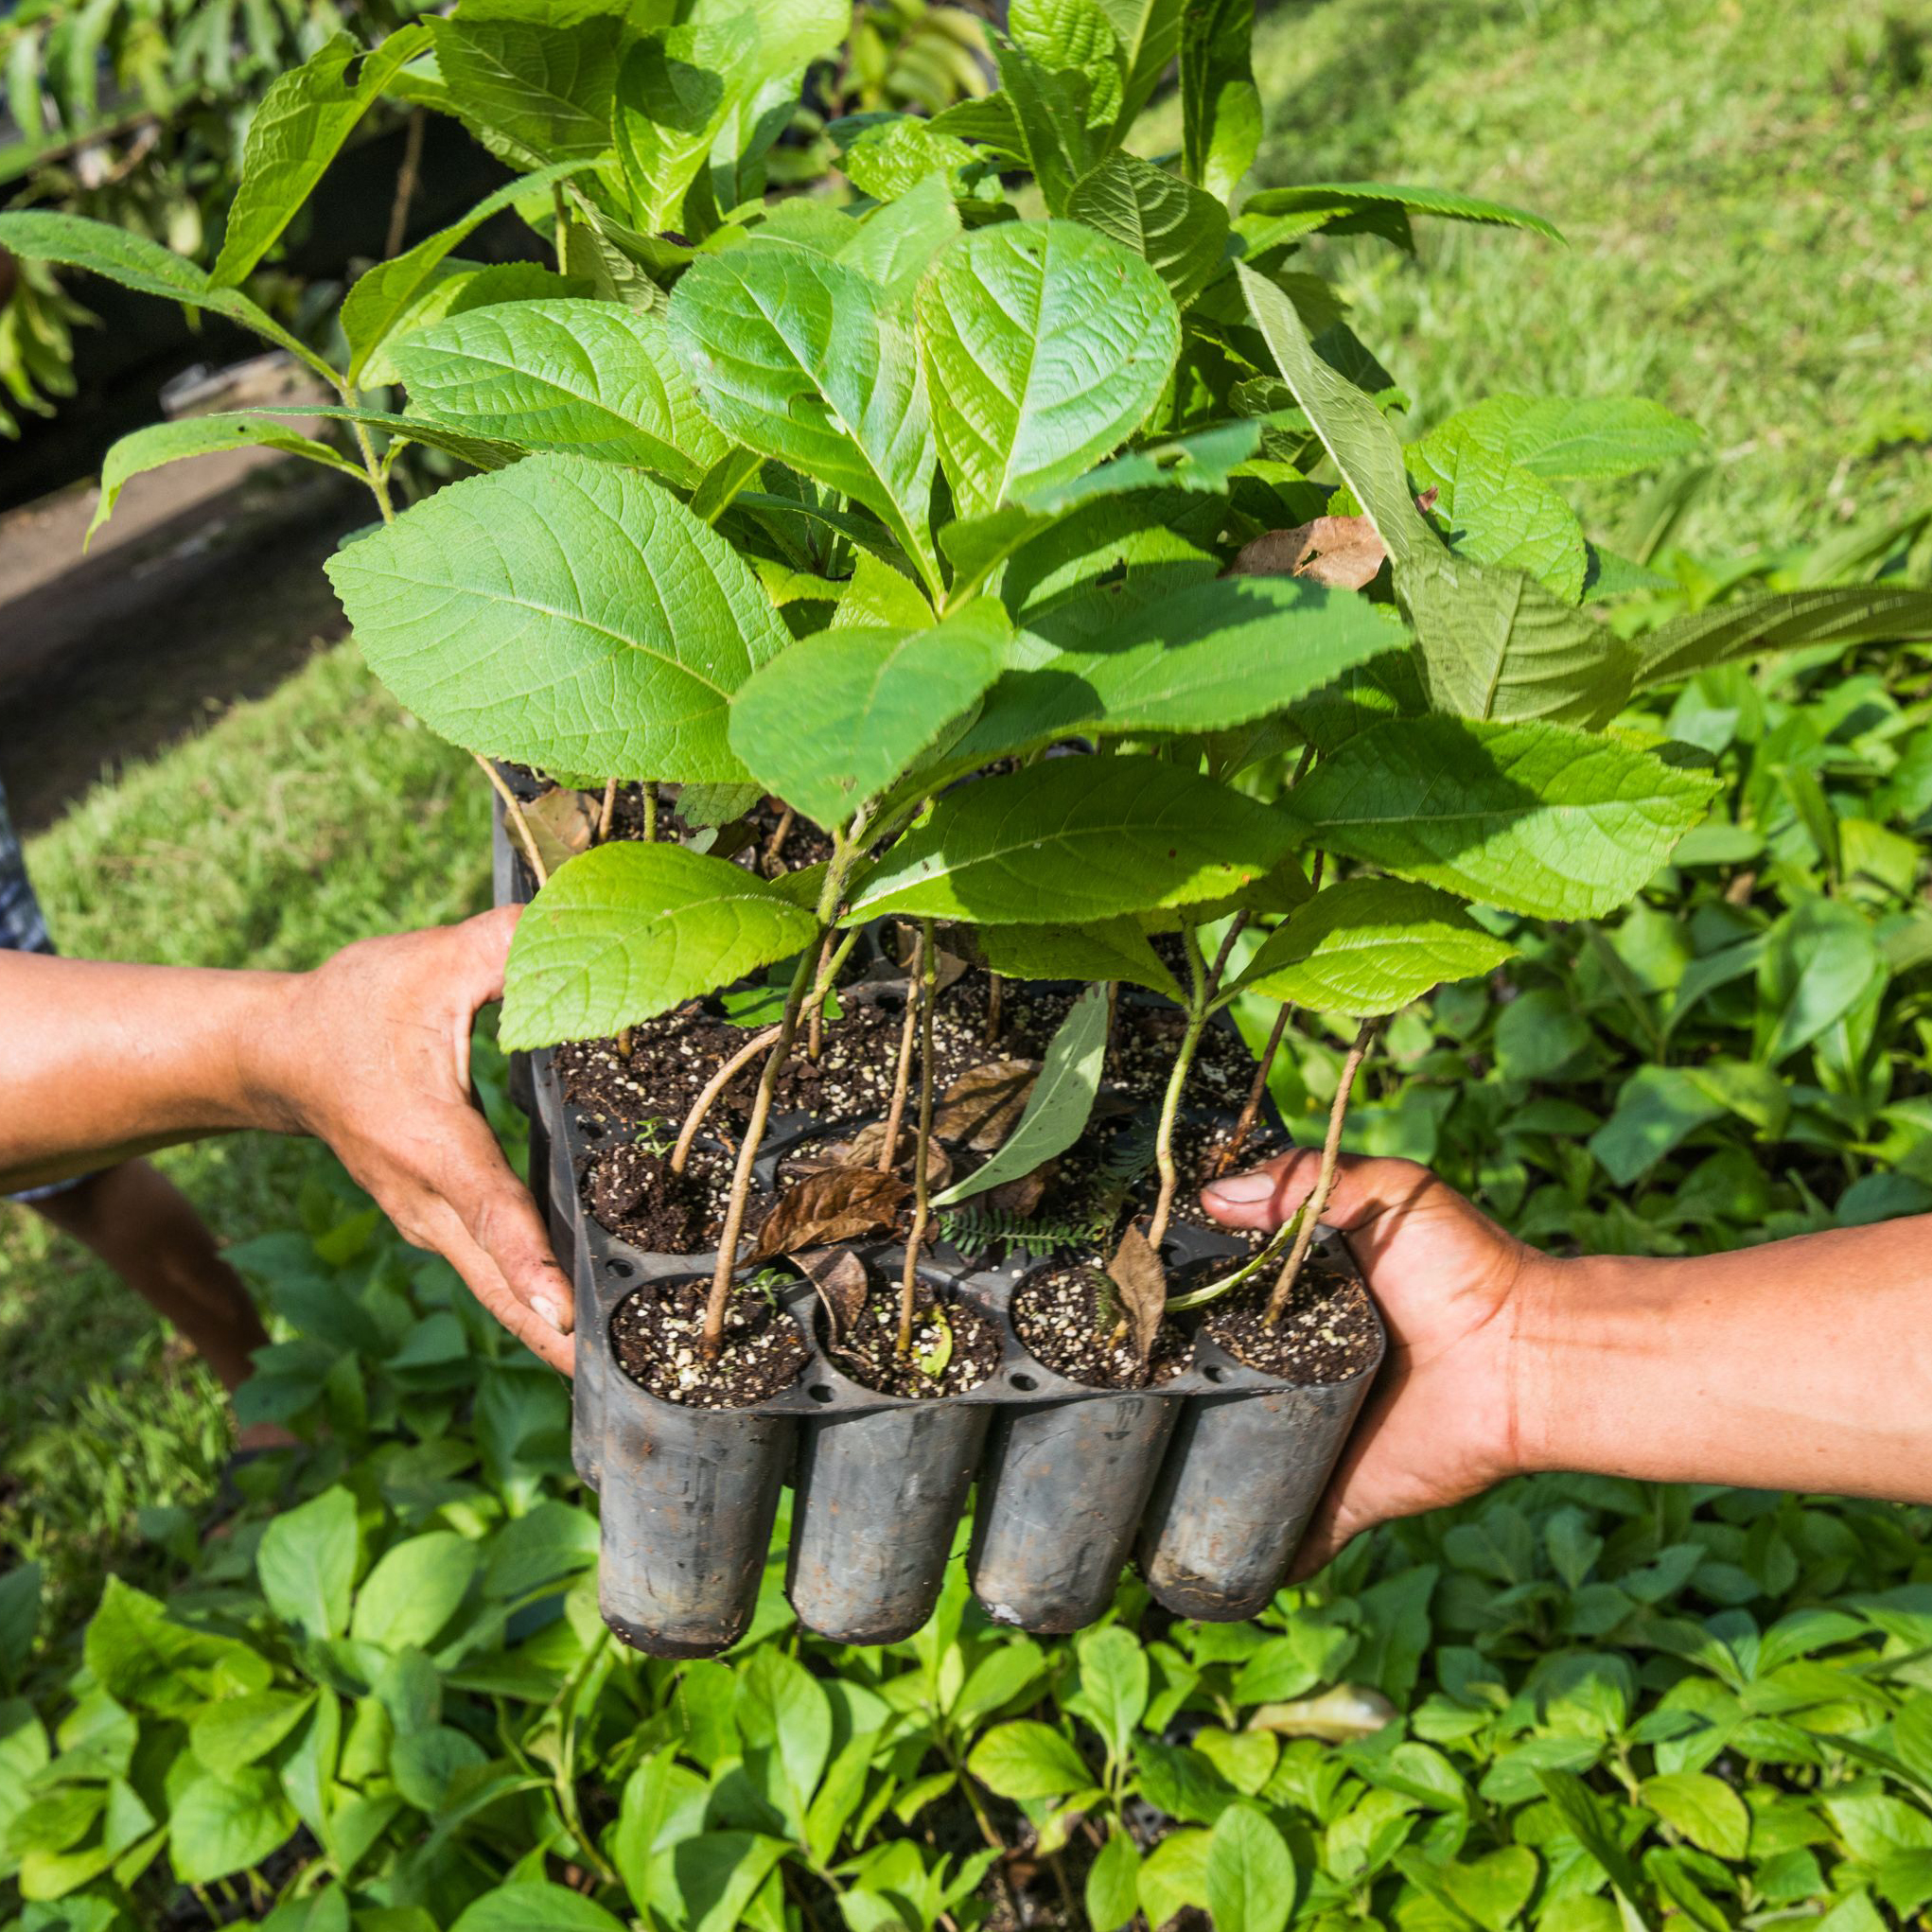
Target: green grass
{"points": [[287, 829], [1745, 190]]}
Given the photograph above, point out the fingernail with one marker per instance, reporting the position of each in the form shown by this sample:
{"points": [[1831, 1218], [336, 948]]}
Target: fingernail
{"points": [[1238, 1191], [550, 1311]]}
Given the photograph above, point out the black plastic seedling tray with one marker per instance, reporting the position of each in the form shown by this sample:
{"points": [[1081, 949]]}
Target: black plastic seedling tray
{"points": [[1209, 1477]]}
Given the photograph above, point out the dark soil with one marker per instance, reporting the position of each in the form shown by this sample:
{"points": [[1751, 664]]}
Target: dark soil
{"points": [[1141, 1060], [670, 1058], [1326, 1334], [655, 1334], [868, 1354], [1067, 1316], [633, 1193], [1197, 1158]]}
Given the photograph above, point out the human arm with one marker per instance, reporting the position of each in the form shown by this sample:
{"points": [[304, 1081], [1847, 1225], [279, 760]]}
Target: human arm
{"points": [[369, 1052], [1799, 1365]]}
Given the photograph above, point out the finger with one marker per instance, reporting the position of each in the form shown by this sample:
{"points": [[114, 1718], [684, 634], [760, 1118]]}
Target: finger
{"points": [[485, 1280], [1365, 1187], [486, 951], [498, 1215]]}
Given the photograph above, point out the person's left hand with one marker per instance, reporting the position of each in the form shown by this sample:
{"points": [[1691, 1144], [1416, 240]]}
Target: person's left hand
{"points": [[370, 1052]]}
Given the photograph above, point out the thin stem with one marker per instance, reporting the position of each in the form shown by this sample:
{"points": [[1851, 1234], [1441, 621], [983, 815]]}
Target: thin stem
{"points": [[922, 1191], [377, 476], [513, 811], [831, 961], [1258, 1090], [1204, 984], [995, 987], [405, 184], [649, 810], [606, 812], [561, 214], [902, 1074], [713, 1088], [1324, 1178], [775, 844]]}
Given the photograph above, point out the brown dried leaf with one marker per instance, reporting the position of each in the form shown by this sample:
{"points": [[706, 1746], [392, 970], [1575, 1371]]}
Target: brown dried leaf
{"points": [[985, 1103], [1137, 1271], [837, 1205], [1019, 1196], [840, 1278], [563, 823], [1344, 552], [864, 1148]]}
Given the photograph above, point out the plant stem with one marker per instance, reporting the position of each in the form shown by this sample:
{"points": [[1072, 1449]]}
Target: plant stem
{"points": [[1251, 1107], [606, 812], [713, 1088], [1324, 1178], [830, 959], [922, 1191], [845, 851], [560, 213], [995, 987], [405, 184], [777, 842], [1205, 982], [649, 810], [908, 1034], [513, 811]]}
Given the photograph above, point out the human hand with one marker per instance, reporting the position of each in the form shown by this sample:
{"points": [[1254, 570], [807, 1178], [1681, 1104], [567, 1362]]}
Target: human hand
{"points": [[1441, 1422], [370, 1052]]}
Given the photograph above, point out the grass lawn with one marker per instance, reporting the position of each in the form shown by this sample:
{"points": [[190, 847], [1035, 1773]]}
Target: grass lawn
{"points": [[1746, 189]]}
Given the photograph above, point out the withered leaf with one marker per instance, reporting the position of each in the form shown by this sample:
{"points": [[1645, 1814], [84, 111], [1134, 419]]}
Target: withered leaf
{"points": [[841, 1205], [840, 1278], [1137, 1271], [562, 823], [1344, 552], [985, 1103], [1019, 1196], [864, 1148]]}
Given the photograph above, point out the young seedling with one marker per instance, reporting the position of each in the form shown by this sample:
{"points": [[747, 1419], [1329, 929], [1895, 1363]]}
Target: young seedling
{"points": [[926, 955]]}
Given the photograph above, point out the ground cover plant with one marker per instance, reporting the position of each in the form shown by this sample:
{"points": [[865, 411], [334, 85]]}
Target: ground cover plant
{"points": [[1512, 1846]]}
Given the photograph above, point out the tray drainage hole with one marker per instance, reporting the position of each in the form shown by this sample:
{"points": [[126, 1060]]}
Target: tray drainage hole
{"points": [[819, 1393], [623, 1269], [1213, 1373], [1026, 1385]]}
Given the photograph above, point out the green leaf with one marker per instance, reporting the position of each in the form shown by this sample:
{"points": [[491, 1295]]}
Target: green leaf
{"points": [[791, 35], [1250, 1874], [1865, 613], [1113, 1666], [162, 443], [1179, 232], [894, 157], [545, 1544], [1073, 839], [593, 378], [1489, 1890], [1326, 202], [1044, 345], [1221, 109], [475, 610], [839, 717], [806, 359], [1369, 946], [1108, 949], [784, 1719], [1113, 1884], [413, 1591], [1496, 512], [877, 596], [1701, 1808], [1147, 34], [1027, 1760], [1819, 960], [1054, 114], [706, 1882], [142, 1658], [480, 451], [1532, 817], [384, 294], [1574, 439], [134, 262], [295, 132], [542, 88], [1174, 1876], [1352, 429], [536, 1906], [237, 1731], [674, 90], [226, 1824], [1495, 644], [1577, 1805], [894, 244], [1057, 1109], [628, 930]]}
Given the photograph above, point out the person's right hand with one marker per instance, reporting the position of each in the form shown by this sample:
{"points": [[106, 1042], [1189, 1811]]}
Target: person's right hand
{"points": [[370, 1052], [1440, 1423]]}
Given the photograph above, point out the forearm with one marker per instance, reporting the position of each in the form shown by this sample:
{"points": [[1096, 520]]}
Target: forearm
{"points": [[98, 1061], [1803, 1365]]}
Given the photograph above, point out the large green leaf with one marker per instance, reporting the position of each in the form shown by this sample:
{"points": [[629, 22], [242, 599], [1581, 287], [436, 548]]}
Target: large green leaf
{"points": [[1221, 108], [1496, 644], [536, 1906], [1368, 946], [1058, 1108], [1027, 1760], [1147, 35], [1360, 444], [1249, 1873], [674, 90], [1179, 232], [221, 1824], [1322, 204], [1563, 438], [296, 131], [1073, 839], [1044, 345], [1107, 949], [594, 378], [1499, 512], [384, 294], [838, 717], [539, 90], [73, 242], [1863, 613], [1054, 114], [894, 244], [806, 359], [414, 1590], [307, 1563], [568, 614], [1532, 817], [628, 930], [161, 443], [791, 35]]}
